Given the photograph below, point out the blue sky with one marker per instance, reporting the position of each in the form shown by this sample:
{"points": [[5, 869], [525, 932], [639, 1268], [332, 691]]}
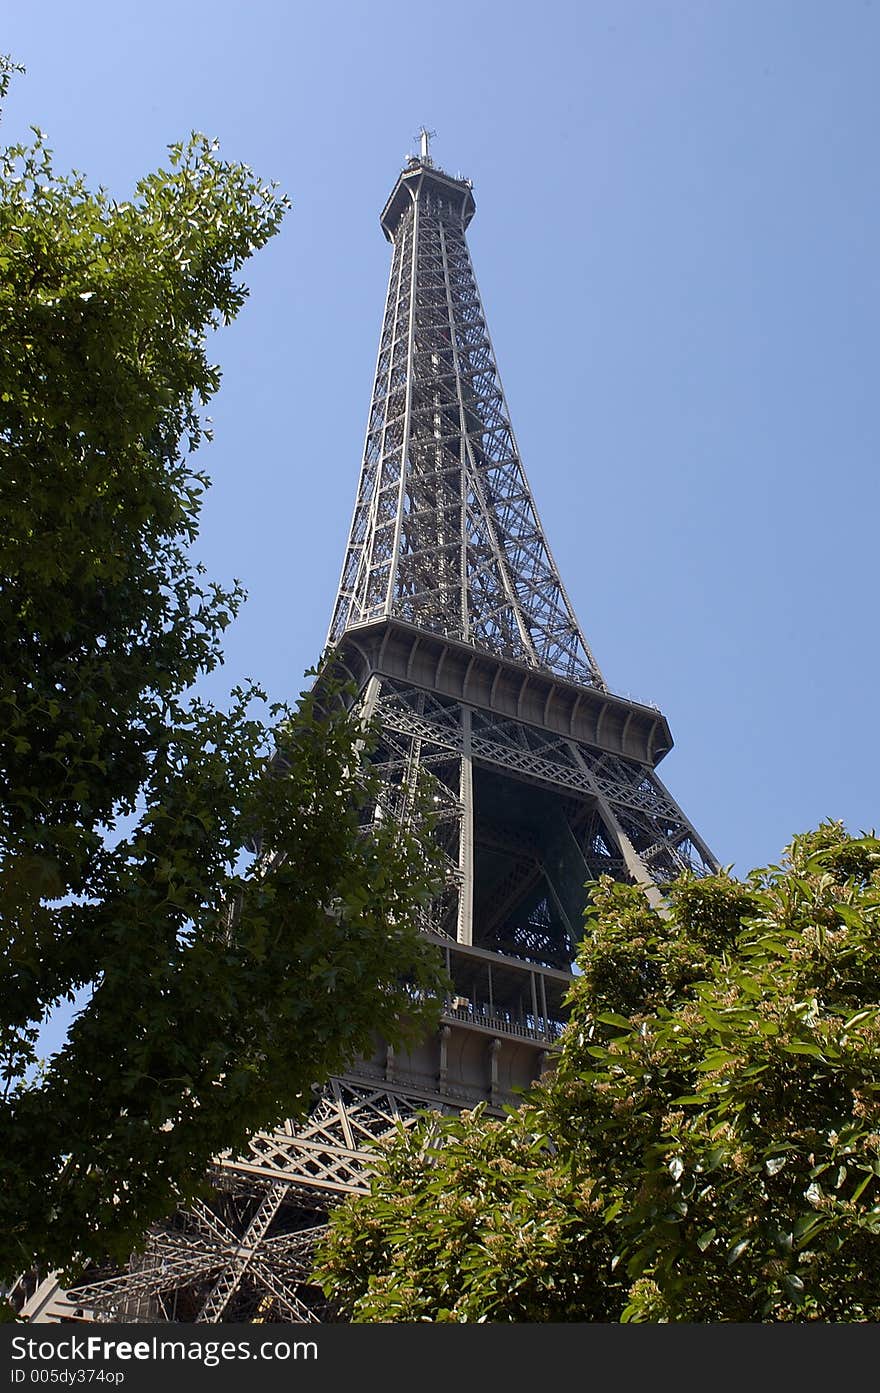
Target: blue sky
{"points": [[676, 241]]}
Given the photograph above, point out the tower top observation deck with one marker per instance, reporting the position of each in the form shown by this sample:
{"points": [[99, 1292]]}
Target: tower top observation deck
{"points": [[419, 177]]}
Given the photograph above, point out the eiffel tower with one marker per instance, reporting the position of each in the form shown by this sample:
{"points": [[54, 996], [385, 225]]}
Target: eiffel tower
{"points": [[453, 620]]}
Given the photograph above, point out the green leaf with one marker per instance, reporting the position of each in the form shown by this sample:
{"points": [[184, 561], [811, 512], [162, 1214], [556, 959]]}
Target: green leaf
{"points": [[851, 917], [717, 1059], [612, 1018], [802, 1047]]}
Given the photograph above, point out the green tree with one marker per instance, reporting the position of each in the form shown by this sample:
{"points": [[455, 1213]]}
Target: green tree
{"points": [[707, 1147], [217, 985]]}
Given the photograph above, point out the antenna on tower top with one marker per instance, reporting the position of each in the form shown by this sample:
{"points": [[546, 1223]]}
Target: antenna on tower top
{"points": [[424, 138]]}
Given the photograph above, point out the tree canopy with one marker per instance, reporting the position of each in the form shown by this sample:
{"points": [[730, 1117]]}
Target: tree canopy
{"points": [[707, 1147], [215, 985]]}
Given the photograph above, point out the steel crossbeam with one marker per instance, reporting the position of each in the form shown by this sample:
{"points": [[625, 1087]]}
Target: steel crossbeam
{"points": [[243, 1253], [629, 788]]}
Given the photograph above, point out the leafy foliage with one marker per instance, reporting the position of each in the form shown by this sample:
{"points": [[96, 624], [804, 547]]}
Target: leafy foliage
{"points": [[707, 1147], [219, 985]]}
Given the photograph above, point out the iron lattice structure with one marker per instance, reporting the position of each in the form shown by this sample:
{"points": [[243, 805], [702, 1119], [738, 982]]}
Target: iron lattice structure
{"points": [[445, 534], [453, 620]]}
